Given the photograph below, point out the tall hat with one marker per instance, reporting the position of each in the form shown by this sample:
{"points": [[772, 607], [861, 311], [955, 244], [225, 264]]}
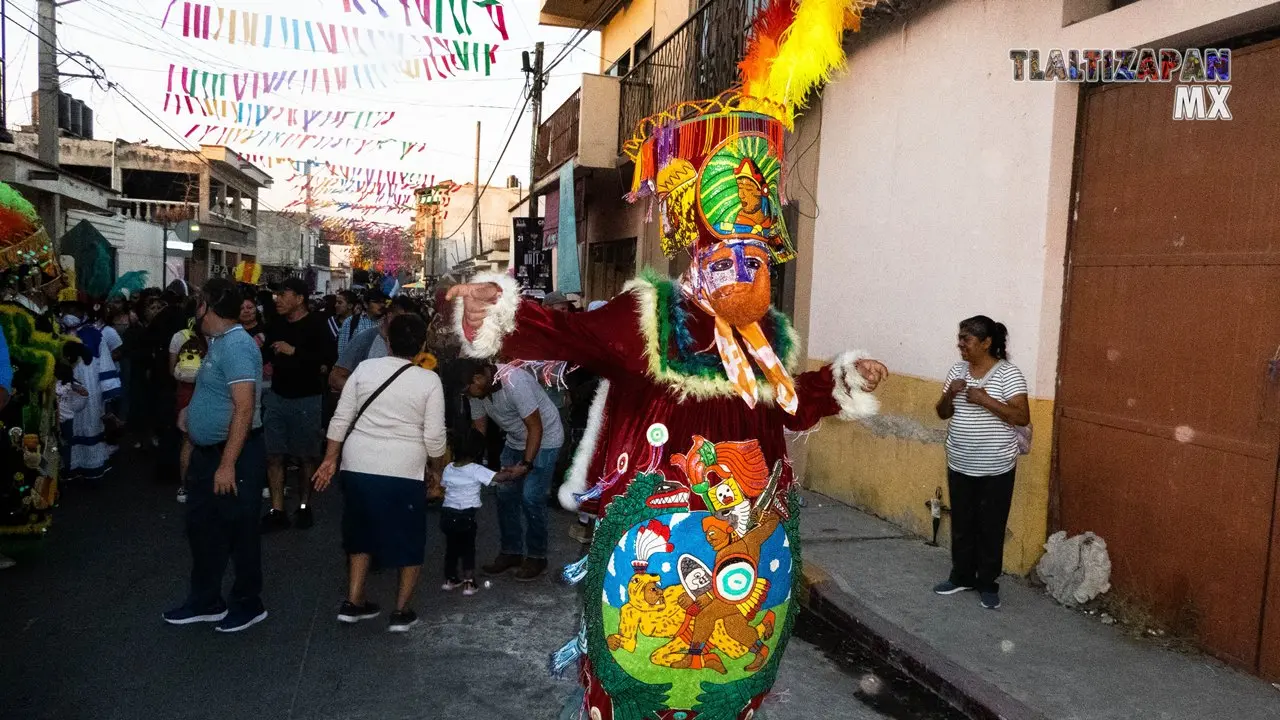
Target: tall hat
{"points": [[691, 156], [23, 240]]}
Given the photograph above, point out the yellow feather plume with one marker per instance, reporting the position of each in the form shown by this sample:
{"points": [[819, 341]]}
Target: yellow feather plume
{"points": [[811, 50]]}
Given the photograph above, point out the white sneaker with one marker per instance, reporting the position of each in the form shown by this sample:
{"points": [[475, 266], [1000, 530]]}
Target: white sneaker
{"points": [[469, 588], [182, 495], [450, 586]]}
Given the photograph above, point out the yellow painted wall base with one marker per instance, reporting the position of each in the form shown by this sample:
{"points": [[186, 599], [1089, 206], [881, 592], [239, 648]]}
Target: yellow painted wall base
{"points": [[890, 466]]}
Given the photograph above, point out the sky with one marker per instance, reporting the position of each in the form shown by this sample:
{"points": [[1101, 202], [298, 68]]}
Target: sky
{"points": [[126, 38]]}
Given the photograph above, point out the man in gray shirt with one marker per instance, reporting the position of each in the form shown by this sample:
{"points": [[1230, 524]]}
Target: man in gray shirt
{"points": [[520, 406], [369, 344]]}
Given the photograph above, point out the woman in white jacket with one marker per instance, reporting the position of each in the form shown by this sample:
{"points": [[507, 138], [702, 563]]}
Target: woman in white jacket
{"points": [[386, 443]]}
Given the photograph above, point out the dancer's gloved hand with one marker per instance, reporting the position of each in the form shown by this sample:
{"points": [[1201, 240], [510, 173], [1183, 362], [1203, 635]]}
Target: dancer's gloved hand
{"points": [[476, 299]]}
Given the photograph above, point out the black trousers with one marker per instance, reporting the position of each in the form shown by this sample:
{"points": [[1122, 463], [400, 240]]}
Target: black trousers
{"points": [[979, 512], [459, 527], [224, 528]]}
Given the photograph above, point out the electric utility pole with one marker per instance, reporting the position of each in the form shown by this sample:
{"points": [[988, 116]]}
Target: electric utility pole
{"points": [[476, 246], [535, 93], [306, 234], [47, 107], [5, 135]]}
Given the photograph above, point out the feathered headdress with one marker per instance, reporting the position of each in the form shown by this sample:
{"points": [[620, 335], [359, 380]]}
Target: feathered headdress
{"points": [[692, 155], [23, 240], [651, 539], [795, 46]]}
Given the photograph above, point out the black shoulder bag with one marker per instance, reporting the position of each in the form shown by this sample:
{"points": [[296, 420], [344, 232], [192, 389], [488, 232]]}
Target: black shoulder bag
{"points": [[373, 397]]}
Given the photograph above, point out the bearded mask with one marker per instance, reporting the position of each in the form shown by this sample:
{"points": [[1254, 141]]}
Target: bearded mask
{"points": [[734, 277]]}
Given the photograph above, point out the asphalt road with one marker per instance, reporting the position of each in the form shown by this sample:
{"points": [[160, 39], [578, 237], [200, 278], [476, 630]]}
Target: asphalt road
{"points": [[81, 635]]}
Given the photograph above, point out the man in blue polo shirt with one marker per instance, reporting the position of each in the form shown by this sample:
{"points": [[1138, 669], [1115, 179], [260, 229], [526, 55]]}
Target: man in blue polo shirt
{"points": [[227, 471]]}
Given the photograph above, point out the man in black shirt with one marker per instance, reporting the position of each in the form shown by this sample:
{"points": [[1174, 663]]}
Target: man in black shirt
{"points": [[301, 351]]}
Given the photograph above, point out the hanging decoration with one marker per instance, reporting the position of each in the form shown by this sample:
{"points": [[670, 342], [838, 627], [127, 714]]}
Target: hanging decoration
{"points": [[422, 10], [348, 172], [219, 135], [254, 115], [198, 84], [205, 22]]}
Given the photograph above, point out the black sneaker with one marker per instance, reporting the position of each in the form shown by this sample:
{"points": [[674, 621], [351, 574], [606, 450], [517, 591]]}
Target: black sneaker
{"points": [[352, 613], [402, 620], [303, 518], [240, 620], [946, 587], [990, 600], [185, 615], [274, 521]]}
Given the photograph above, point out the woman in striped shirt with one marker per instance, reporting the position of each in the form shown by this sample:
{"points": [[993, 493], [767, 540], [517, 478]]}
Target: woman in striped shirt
{"points": [[985, 398]]}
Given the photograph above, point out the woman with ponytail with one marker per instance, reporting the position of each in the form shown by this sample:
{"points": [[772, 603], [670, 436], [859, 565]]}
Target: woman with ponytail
{"points": [[985, 398]]}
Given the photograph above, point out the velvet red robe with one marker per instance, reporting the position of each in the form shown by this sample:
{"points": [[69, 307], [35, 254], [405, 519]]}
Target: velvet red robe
{"points": [[657, 353]]}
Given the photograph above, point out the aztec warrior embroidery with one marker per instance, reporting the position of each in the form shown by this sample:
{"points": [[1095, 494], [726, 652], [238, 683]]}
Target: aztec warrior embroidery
{"points": [[697, 588]]}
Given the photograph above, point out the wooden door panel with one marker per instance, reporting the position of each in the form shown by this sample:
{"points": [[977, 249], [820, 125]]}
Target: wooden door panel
{"points": [[1154, 188], [1180, 352], [1186, 526], [1168, 425]]}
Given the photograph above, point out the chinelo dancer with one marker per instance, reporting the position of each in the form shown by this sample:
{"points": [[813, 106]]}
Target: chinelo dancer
{"points": [[688, 584]]}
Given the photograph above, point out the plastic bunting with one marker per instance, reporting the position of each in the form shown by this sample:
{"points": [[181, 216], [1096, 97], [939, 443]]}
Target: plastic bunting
{"points": [[422, 10], [219, 135], [255, 115], [321, 168], [211, 85], [246, 27]]}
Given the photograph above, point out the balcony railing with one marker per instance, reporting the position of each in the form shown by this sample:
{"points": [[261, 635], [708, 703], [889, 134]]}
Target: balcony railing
{"points": [[558, 136], [155, 211], [698, 60]]}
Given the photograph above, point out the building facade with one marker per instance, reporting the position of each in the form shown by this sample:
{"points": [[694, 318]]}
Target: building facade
{"points": [[205, 202], [1144, 312]]}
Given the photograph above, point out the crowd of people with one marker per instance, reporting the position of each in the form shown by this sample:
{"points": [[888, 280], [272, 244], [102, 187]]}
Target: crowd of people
{"points": [[233, 389]]}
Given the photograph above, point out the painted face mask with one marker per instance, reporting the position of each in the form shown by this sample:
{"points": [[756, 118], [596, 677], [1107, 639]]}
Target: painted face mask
{"points": [[735, 280]]}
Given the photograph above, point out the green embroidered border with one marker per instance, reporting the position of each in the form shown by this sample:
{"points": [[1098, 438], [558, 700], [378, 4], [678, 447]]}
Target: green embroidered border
{"points": [[633, 699]]}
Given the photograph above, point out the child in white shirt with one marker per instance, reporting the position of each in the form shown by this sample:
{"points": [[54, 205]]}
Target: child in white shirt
{"points": [[462, 481], [72, 398]]}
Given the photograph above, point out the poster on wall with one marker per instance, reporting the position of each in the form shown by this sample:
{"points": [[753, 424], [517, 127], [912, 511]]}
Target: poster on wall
{"points": [[532, 263]]}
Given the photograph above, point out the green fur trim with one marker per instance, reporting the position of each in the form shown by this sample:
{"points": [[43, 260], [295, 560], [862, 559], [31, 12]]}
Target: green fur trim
{"points": [[674, 362]]}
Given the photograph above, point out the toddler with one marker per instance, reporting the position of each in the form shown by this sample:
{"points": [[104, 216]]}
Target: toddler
{"points": [[462, 481], [72, 398]]}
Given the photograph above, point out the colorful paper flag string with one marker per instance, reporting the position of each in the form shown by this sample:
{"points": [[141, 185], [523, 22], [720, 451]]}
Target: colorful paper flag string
{"points": [[220, 135], [423, 10], [255, 115], [245, 27]]}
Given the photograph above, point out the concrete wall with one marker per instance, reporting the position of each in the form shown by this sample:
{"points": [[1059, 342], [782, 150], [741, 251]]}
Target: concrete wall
{"points": [[278, 239], [634, 20], [138, 244], [598, 124], [944, 192]]}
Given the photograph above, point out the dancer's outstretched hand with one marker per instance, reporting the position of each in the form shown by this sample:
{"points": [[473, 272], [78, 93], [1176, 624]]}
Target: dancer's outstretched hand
{"points": [[476, 299], [873, 373]]}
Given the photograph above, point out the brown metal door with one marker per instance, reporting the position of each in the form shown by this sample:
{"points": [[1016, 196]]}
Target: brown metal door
{"points": [[1168, 425]]}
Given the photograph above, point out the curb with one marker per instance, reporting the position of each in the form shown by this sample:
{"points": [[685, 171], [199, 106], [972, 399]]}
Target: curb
{"points": [[964, 689]]}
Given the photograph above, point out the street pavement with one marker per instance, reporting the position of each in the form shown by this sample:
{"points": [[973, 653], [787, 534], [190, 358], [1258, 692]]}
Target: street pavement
{"points": [[81, 635]]}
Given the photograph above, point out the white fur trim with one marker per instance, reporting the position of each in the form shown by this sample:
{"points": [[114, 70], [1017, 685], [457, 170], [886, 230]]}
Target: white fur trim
{"points": [[850, 392], [498, 323], [576, 479]]}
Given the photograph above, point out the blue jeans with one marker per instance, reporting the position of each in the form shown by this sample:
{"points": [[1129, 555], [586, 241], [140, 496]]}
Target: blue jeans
{"points": [[528, 494]]}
